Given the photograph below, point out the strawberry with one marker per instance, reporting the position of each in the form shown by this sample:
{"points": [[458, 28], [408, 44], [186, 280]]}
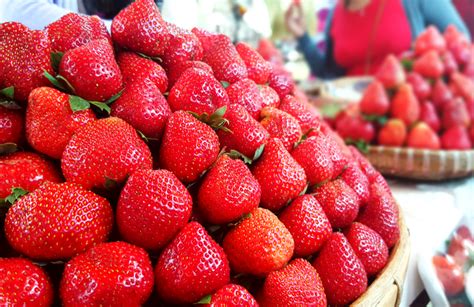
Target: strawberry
{"points": [[176, 70], [24, 284], [24, 56], [183, 46], [422, 136], [199, 262], [297, 284], [421, 87], [342, 273], [44, 238], [456, 137], [74, 30], [140, 28], [305, 114], [232, 295], [246, 93], [339, 201], [270, 98], [11, 125], [463, 85], [440, 94], [354, 127], [225, 60], [429, 65], [430, 39], [104, 150], [281, 125], [189, 147], [246, 134], [281, 81], [271, 244], [455, 113], [405, 106], [375, 100], [205, 37], [135, 67], [357, 180], [25, 170], [450, 275], [390, 73], [364, 164], [272, 172], [336, 148], [381, 215], [50, 121], [380, 180], [461, 52], [369, 247], [307, 223], [92, 71], [471, 134], [153, 207], [452, 36], [393, 133], [228, 191], [109, 274], [269, 52], [258, 69], [449, 62], [198, 91], [429, 115]]}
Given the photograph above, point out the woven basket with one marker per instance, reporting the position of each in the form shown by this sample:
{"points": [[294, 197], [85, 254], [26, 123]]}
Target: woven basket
{"points": [[422, 164], [386, 289]]}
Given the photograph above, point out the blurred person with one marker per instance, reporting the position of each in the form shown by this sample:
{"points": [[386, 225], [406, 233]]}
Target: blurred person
{"points": [[360, 33]]}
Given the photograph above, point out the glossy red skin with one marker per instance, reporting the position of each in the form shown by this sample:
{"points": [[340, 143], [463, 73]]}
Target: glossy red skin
{"points": [[183, 46], [354, 127], [205, 37], [471, 133], [50, 121], [281, 82], [470, 109], [111, 274], [405, 105], [270, 98], [429, 65], [429, 115], [456, 138], [271, 244], [92, 71], [281, 125], [342, 273], [369, 247], [461, 52], [177, 69], [380, 180], [308, 224], [354, 177], [430, 39], [337, 149], [375, 100], [269, 52], [449, 274], [228, 191], [280, 176], [463, 85], [139, 27], [306, 116], [135, 67], [420, 86], [232, 295], [381, 215], [452, 36], [394, 133], [81, 219], [74, 30], [106, 148], [364, 164], [449, 62], [246, 93], [11, 125], [258, 69], [297, 284], [24, 284], [25, 170], [198, 91], [390, 73], [24, 56], [153, 207], [440, 94], [458, 249], [198, 260], [455, 113]]}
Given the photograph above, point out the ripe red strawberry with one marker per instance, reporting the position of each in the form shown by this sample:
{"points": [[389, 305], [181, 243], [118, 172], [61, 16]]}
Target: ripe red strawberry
{"points": [[455, 113], [422, 136], [73, 30], [199, 262], [246, 93], [461, 52], [189, 147], [306, 116], [297, 284], [140, 28], [205, 37], [270, 98], [176, 70], [281, 125], [105, 149], [430, 39], [109, 274], [198, 91], [452, 36], [375, 100], [258, 69], [24, 284], [449, 62], [259, 244], [45, 225], [273, 171], [354, 127], [369, 247], [232, 295], [463, 85], [135, 67], [339, 201], [429, 115], [429, 65], [342, 274], [269, 52], [405, 106], [228, 191], [456, 137], [92, 71], [381, 215], [364, 164], [281, 81], [183, 46], [393, 133], [11, 125], [25, 170], [440, 94], [357, 180], [50, 121], [225, 60], [337, 149], [307, 223], [380, 180], [471, 134], [420, 86], [390, 72], [24, 56], [246, 135], [153, 207]]}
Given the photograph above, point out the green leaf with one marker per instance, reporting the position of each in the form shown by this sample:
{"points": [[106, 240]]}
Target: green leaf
{"points": [[114, 97], [156, 58], [7, 148], [78, 104], [101, 105], [360, 144], [15, 195], [204, 300], [56, 59], [407, 64], [8, 92], [53, 80], [225, 84], [303, 192], [258, 152], [330, 110], [238, 155], [220, 112], [110, 184], [9, 104], [66, 82], [381, 120]]}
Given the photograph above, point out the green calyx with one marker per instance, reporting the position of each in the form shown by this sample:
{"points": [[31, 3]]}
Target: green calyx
{"points": [[205, 300], [15, 195], [8, 92], [216, 120], [7, 148]]}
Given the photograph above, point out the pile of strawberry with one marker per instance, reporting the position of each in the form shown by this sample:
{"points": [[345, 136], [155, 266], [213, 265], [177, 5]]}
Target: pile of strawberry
{"points": [[212, 180], [429, 104]]}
